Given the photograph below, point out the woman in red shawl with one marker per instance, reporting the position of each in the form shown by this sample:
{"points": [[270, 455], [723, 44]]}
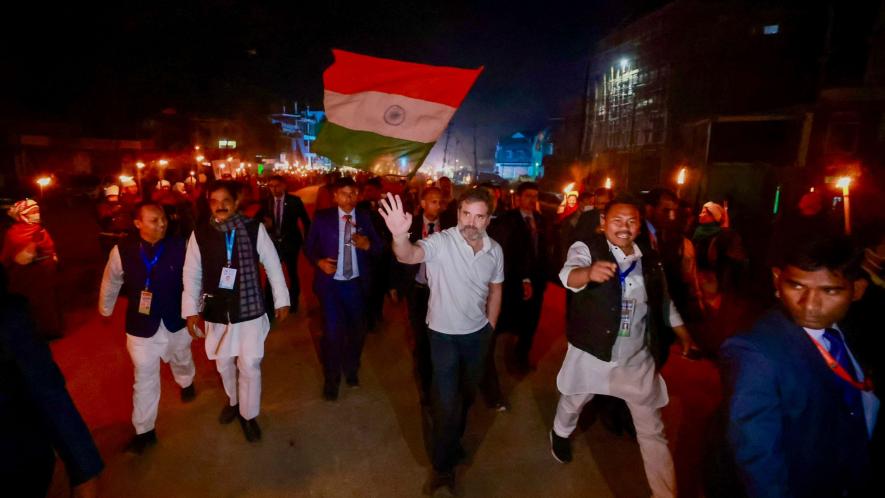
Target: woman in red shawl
{"points": [[30, 260]]}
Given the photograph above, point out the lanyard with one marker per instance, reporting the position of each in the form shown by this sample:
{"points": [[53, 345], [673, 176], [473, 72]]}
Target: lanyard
{"points": [[229, 242], [150, 264], [866, 385], [622, 275]]}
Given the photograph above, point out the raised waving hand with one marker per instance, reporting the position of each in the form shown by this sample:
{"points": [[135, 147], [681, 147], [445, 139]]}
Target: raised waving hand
{"points": [[398, 221]]}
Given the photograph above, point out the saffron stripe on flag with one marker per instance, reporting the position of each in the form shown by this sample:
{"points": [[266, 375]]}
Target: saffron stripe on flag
{"points": [[387, 114], [365, 150], [354, 73]]}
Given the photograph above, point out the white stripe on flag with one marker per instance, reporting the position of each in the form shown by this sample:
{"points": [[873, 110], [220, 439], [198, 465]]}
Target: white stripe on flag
{"points": [[387, 114]]}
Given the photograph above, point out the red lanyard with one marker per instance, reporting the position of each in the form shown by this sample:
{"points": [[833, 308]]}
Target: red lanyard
{"points": [[866, 385]]}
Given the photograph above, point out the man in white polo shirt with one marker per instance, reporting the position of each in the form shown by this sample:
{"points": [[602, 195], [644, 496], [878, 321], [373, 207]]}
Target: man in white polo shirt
{"points": [[465, 270]]}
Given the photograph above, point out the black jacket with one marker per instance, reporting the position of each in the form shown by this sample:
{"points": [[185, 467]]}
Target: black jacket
{"points": [[595, 312], [288, 238], [37, 414]]}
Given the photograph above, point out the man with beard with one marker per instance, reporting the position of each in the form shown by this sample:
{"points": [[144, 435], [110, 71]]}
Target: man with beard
{"points": [[149, 268], [222, 283], [619, 333], [465, 272]]}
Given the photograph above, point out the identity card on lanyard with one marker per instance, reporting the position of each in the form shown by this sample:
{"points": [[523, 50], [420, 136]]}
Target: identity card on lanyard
{"points": [[228, 274], [144, 301], [627, 305]]}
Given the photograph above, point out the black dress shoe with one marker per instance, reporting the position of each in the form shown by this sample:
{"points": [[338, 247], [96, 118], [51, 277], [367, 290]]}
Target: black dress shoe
{"points": [[353, 381], [228, 414], [140, 442], [330, 393], [188, 393], [440, 481], [251, 429]]}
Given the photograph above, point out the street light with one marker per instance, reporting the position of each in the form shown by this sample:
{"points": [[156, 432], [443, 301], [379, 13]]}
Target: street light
{"points": [[200, 159], [845, 183], [43, 182]]}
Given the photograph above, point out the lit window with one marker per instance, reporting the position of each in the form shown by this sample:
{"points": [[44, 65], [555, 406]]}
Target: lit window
{"points": [[771, 29]]}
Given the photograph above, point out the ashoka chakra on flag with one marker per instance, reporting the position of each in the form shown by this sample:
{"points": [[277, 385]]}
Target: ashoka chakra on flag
{"points": [[383, 111]]}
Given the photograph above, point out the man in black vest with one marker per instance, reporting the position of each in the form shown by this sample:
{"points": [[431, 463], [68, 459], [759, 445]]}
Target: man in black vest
{"points": [[619, 330], [148, 267], [222, 283], [281, 213]]}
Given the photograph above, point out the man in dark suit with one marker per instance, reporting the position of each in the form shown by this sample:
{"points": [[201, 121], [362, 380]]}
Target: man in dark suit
{"points": [[801, 412], [341, 244], [370, 195], [523, 237], [281, 213], [425, 224]]}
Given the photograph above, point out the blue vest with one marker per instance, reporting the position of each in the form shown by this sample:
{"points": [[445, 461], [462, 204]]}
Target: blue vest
{"points": [[166, 285]]}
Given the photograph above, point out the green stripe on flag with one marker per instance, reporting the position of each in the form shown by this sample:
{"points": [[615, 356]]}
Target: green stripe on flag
{"points": [[368, 151]]}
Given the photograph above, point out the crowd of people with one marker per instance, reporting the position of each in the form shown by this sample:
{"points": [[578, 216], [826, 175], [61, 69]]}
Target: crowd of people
{"points": [[218, 262]]}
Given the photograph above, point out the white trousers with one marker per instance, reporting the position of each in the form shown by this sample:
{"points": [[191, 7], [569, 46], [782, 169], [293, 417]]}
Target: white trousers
{"points": [[656, 456], [245, 390], [146, 354]]}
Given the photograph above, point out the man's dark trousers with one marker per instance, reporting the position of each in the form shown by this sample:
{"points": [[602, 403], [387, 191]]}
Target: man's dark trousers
{"points": [[417, 297], [458, 363], [528, 316], [344, 329]]}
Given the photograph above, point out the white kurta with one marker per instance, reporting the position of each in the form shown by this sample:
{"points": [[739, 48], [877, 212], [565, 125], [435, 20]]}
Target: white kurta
{"points": [[630, 375], [244, 339], [173, 347]]}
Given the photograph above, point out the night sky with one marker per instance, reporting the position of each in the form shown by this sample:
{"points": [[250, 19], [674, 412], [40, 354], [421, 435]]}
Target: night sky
{"points": [[107, 69]]}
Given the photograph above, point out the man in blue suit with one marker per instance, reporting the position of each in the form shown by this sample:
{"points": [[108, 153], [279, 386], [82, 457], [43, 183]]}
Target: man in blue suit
{"points": [[341, 244], [801, 412]]}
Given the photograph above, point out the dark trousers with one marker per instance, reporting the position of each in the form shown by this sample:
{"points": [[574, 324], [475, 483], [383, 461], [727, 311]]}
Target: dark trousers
{"points": [[344, 329], [458, 362], [528, 314], [417, 297], [290, 261]]}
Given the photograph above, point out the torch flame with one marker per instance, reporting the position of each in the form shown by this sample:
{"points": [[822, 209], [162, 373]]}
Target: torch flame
{"points": [[44, 181], [568, 188], [681, 178], [608, 183]]}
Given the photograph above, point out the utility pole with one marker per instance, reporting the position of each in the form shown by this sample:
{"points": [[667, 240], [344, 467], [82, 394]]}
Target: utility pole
{"points": [[475, 161], [446, 146]]}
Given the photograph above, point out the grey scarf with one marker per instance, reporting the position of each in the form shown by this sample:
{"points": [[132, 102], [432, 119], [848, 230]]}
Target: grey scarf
{"points": [[250, 296]]}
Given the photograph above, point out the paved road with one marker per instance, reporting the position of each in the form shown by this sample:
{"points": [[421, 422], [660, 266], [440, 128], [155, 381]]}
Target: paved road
{"points": [[370, 442]]}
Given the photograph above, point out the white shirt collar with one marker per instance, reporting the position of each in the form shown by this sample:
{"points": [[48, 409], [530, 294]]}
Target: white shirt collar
{"points": [[619, 255], [342, 214]]}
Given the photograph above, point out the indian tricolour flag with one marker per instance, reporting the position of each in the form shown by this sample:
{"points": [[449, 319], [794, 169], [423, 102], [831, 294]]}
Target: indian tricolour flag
{"points": [[384, 115]]}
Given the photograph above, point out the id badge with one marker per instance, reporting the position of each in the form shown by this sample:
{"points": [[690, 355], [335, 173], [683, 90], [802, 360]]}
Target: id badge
{"points": [[627, 307], [228, 278], [144, 302]]}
